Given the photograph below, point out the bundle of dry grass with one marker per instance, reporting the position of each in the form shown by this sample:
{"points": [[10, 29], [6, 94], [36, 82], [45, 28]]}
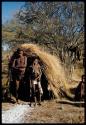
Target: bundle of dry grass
{"points": [[53, 71]]}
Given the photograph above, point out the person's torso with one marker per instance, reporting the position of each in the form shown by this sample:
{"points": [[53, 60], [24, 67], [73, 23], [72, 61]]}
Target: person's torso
{"points": [[36, 71], [20, 62]]}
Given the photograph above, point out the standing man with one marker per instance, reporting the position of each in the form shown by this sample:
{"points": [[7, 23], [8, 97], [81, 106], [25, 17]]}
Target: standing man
{"points": [[19, 66]]}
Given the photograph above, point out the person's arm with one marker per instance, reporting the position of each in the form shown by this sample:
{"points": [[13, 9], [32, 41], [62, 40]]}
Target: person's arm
{"points": [[40, 69], [40, 73], [82, 89], [25, 62], [13, 65]]}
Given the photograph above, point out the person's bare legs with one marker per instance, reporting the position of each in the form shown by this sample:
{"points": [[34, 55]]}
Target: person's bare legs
{"points": [[35, 100], [39, 102], [34, 93], [17, 88], [30, 96], [40, 92]]}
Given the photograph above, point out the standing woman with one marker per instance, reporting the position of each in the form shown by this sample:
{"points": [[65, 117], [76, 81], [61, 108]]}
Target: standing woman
{"points": [[35, 81]]}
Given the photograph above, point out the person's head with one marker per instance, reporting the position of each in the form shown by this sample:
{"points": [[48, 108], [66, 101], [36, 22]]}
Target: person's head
{"points": [[83, 78], [36, 61], [20, 52]]}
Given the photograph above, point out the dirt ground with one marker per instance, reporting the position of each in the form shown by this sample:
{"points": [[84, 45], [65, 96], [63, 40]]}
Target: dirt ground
{"points": [[51, 111]]}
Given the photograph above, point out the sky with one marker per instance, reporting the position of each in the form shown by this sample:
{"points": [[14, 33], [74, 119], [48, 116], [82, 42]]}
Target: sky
{"points": [[8, 9]]}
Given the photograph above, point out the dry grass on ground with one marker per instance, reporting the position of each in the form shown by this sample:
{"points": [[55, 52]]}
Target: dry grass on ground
{"points": [[52, 112]]}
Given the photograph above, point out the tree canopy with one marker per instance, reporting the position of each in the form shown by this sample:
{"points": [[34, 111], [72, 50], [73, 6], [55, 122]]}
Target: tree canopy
{"points": [[55, 25]]}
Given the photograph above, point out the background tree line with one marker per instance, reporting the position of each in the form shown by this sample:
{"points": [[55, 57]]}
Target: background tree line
{"points": [[57, 26]]}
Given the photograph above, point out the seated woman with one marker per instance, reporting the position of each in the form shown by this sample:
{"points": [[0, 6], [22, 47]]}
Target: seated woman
{"points": [[80, 90]]}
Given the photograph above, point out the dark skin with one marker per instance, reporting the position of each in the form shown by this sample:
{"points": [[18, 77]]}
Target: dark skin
{"points": [[83, 78], [80, 90], [22, 68], [17, 81], [82, 85], [36, 66]]}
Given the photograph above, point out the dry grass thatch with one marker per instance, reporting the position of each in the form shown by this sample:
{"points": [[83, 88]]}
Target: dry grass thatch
{"points": [[53, 71]]}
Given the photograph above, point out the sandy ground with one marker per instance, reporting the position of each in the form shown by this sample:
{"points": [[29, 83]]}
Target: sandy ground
{"points": [[49, 112], [15, 114]]}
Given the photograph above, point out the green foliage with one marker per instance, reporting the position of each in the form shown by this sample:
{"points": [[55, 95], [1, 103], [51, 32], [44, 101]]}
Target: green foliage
{"points": [[56, 25]]}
